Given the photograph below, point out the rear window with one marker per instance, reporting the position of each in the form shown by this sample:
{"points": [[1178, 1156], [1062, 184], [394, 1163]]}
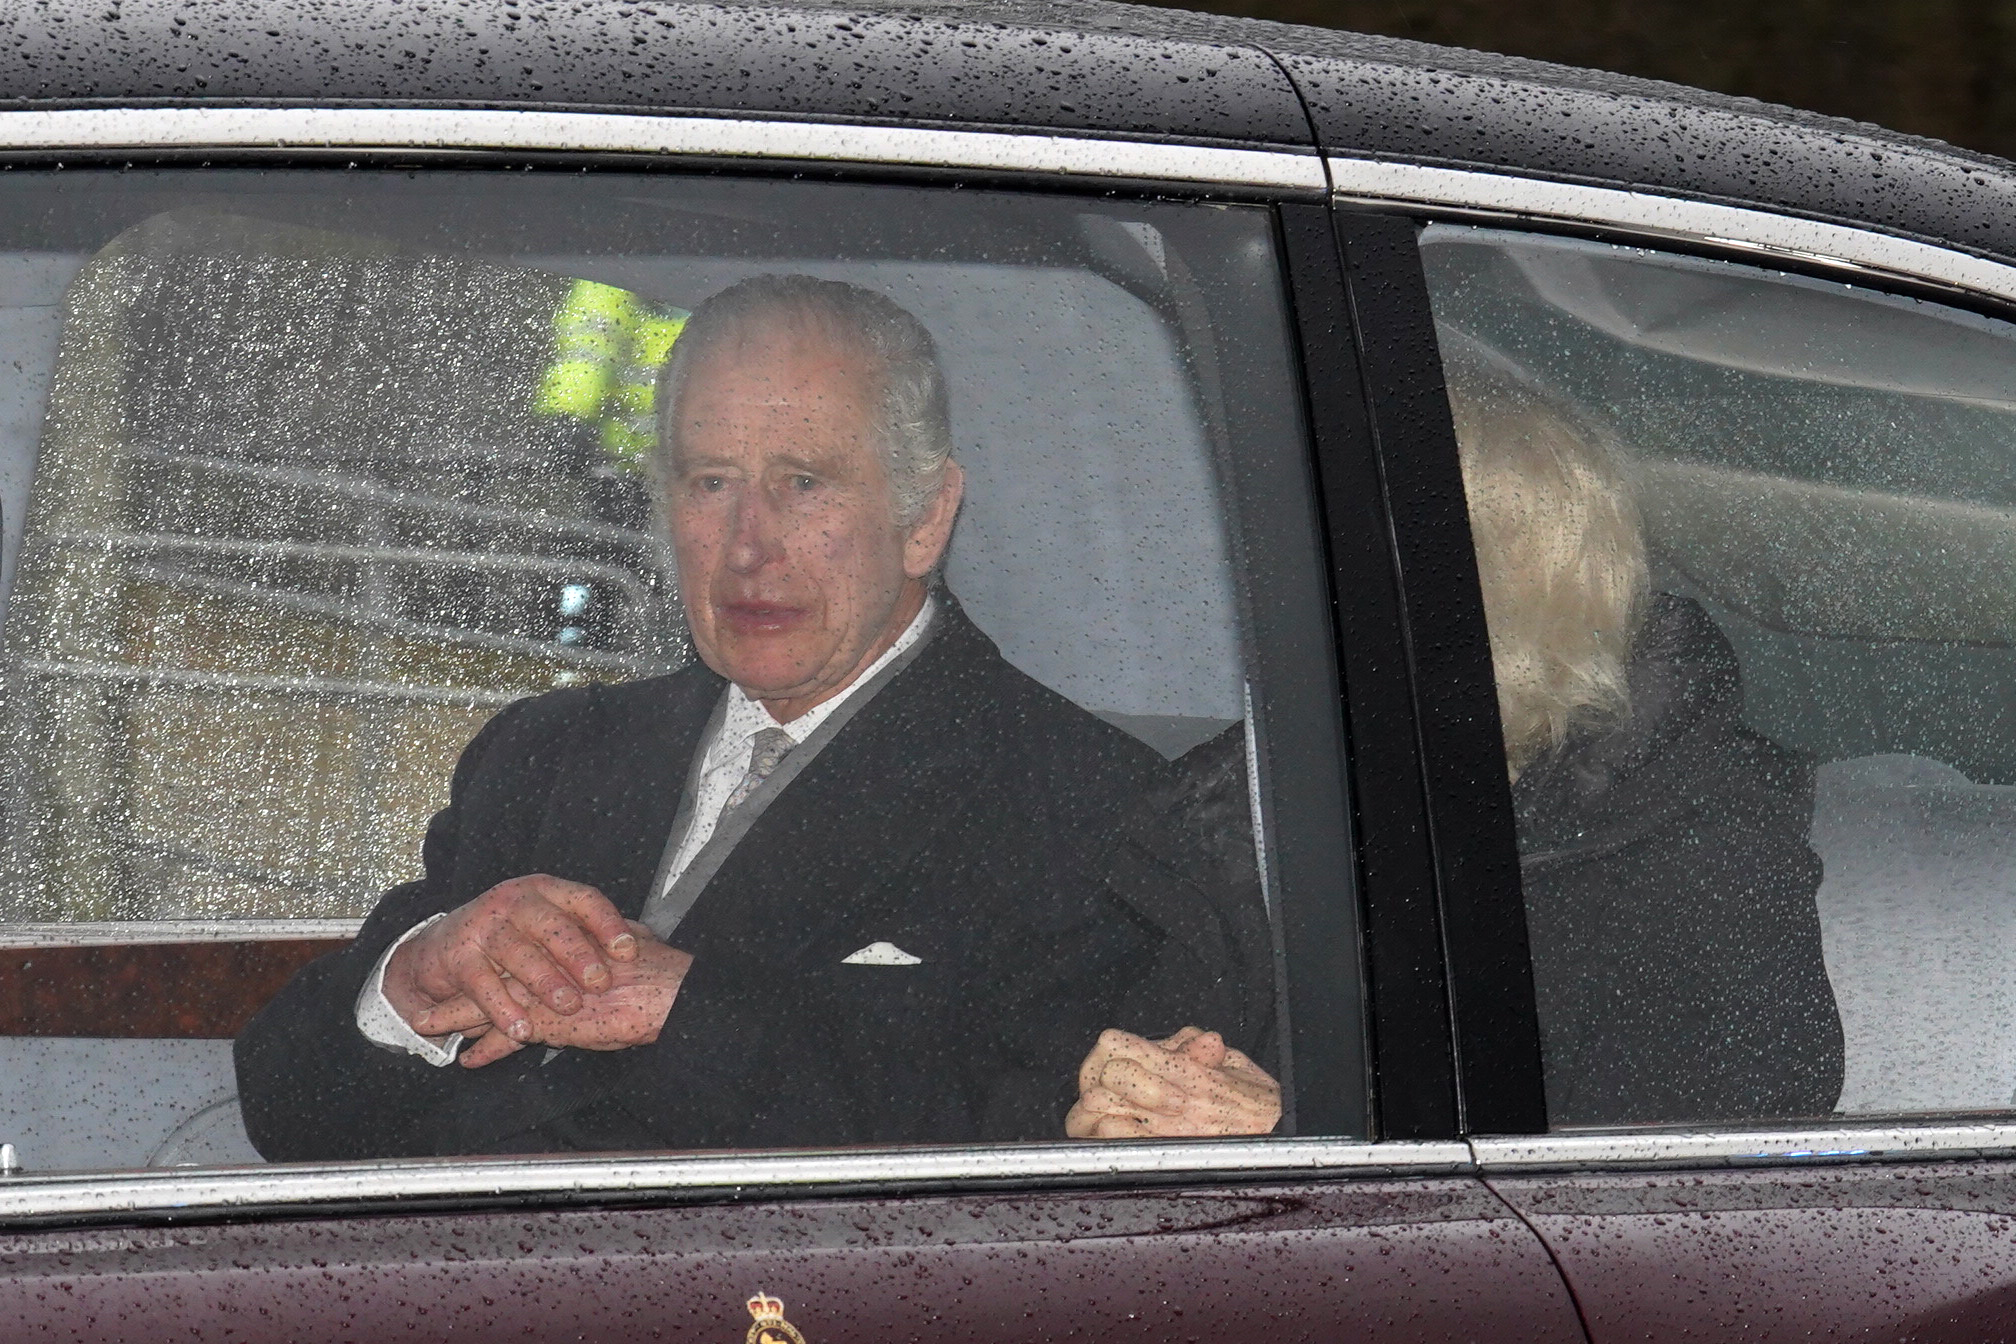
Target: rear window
{"points": [[1745, 538]]}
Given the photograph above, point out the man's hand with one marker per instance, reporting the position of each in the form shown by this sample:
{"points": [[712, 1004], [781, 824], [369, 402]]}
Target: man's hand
{"points": [[556, 939], [1191, 1085], [631, 1010]]}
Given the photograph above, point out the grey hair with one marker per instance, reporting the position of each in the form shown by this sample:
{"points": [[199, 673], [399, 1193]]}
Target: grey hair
{"points": [[916, 429], [1560, 552]]}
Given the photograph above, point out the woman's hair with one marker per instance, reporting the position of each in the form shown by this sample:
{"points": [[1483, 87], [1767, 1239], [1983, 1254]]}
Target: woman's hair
{"points": [[1560, 553]]}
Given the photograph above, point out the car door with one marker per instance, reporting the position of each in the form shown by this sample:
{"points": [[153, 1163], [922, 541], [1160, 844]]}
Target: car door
{"points": [[335, 462], [1764, 885]]}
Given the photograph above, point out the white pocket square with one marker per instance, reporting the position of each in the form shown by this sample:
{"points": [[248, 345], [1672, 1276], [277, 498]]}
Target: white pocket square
{"points": [[881, 954]]}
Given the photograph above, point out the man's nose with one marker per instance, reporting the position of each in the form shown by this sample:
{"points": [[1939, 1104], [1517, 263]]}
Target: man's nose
{"points": [[754, 540]]}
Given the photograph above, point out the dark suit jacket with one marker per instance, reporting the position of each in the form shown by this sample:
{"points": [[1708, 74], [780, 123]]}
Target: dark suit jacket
{"points": [[965, 814], [1185, 864]]}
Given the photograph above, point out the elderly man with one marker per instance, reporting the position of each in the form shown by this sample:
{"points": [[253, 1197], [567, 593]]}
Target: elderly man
{"points": [[839, 882]]}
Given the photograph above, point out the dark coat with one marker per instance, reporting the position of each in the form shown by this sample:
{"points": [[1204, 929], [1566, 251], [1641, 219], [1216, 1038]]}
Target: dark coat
{"points": [[1186, 864], [1670, 903], [965, 814]]}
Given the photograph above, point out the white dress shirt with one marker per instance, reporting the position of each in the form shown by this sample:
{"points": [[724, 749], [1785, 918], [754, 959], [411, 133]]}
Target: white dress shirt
{"points": [[724, 761]]}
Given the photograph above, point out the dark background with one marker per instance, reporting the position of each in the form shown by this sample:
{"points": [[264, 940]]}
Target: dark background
{"points": [[1940, 68]]}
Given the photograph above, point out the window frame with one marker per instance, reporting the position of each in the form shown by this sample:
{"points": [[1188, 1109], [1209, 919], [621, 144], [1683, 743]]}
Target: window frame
{"points": [[1869, 258], [1307, 829]]}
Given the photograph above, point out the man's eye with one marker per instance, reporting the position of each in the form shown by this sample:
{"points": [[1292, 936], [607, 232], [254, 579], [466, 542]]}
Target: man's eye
{"points": [[711, 484], [802, 482]]}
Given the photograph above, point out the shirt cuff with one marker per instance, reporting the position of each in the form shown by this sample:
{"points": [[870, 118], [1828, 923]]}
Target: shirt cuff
{"points": [[380, 1021]]}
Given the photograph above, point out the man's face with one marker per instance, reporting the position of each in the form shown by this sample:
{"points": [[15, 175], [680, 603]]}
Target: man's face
{"points": [[793, 568]]}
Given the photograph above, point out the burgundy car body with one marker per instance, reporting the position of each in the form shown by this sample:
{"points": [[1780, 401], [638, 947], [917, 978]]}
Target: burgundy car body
{"points": [[1380, 1260], [1418, 1196]]}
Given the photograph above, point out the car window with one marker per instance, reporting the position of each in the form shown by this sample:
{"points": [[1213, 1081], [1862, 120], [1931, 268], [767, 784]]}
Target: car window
{"points": [[838, 582], [1744, 537]]}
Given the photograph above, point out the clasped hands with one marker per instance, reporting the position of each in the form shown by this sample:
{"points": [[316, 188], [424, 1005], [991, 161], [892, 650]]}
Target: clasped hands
{"points": [[1190, 1085], [535, 961], [542, 961]]}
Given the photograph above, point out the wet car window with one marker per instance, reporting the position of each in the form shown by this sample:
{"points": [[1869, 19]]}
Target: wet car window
{"points": [[1745, 542], [807, 613]]}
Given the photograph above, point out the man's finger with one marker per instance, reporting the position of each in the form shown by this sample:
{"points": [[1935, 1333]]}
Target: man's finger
{"points": [[478, 979], [487, 1049], [1101, 1051], [1206, 1048], [1091, 1122], [1143, 1088], [595, 913], [1103, 1100], [528, 963], [1240, 1066], [1129, 1126], [457, 1014], [566, 941], [1156, 1125], [1146, 1053]]}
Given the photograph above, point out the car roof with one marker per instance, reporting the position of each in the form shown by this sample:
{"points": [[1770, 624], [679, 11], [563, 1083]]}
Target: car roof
{"points": [[1083, 66]]}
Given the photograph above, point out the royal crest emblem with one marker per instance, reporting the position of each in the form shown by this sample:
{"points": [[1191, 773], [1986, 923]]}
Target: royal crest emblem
{"points": [[771, 1327]]}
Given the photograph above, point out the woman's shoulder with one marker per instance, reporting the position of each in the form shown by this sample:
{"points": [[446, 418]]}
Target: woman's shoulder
{"points": [[1680, 644], [1685, 751]]}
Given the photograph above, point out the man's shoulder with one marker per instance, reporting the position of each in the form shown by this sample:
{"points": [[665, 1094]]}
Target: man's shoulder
{"points": [[1054, 723], [580, 715], [1017, 716]]}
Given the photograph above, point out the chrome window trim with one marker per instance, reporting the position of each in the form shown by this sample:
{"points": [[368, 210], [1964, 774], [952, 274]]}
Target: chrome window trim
{"points": [[127, 933], [30, 1198], [642, 133], [96, 1194], [1762, 233], [1498, 1155]]}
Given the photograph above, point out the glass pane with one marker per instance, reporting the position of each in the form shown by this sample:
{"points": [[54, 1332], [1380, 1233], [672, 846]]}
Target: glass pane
{"points": [[1746, 541], [835, 580]]}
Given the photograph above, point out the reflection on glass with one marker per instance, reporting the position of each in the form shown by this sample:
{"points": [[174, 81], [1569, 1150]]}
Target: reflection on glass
{"points": [[264, 498]]}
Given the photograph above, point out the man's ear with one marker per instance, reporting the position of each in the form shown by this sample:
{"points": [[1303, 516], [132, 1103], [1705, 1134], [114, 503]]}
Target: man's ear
{"points": [[930, 535]]}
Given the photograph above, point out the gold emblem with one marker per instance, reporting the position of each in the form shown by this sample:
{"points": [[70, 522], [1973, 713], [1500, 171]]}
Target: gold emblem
{"points": [[771, 1327]]}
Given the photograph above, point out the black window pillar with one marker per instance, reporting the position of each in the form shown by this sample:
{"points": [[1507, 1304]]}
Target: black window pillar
{"points": [[1455, 1035]]}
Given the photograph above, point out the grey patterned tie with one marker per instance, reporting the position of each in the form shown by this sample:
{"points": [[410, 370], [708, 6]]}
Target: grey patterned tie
{"points": [[767, 750]]}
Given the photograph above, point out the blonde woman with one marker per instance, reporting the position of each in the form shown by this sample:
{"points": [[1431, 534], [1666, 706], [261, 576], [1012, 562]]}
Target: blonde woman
{"points": [[1669, 887]]}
